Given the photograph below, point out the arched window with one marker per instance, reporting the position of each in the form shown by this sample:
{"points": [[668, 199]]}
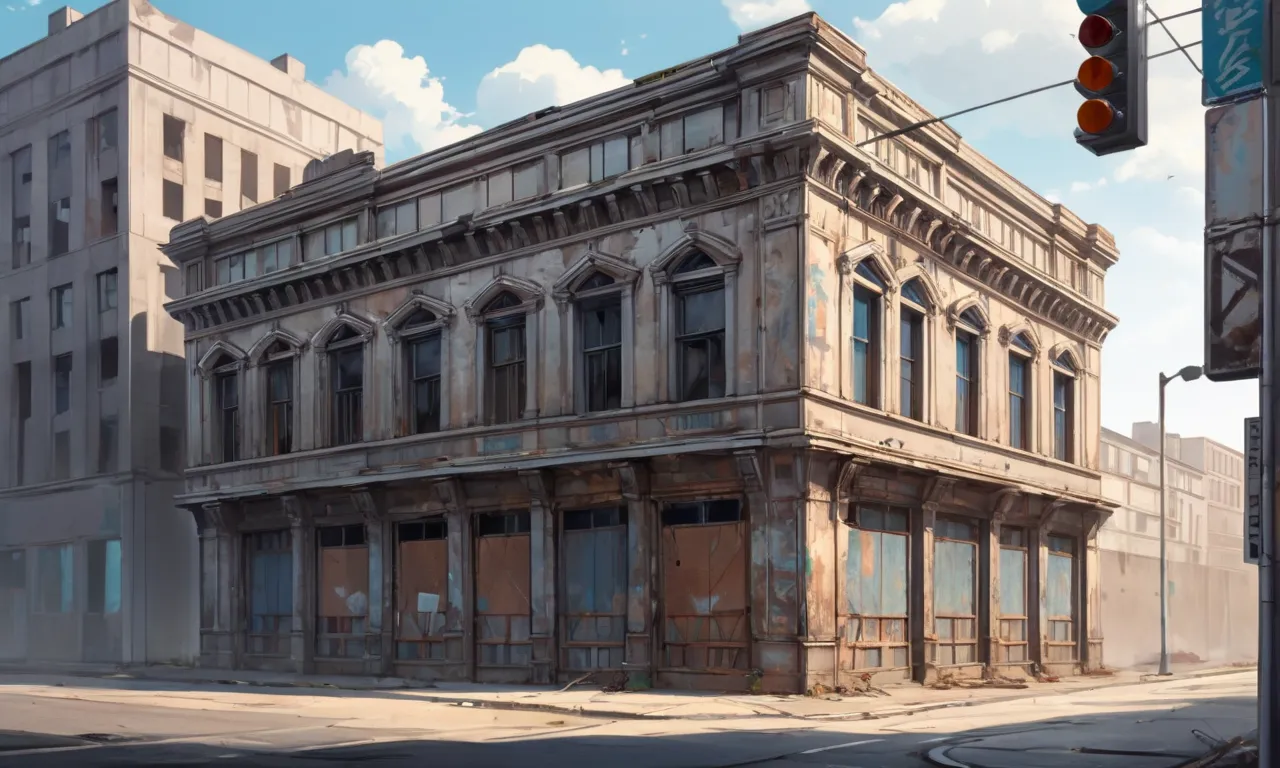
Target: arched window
{"points": [[418, 330], [220, 369], [869, 289], [279, 361], [340, 346], [505, 314], [1021, 356], [911, 349], [1064, 407], [595, 294], [970, 328], [700, 327]]}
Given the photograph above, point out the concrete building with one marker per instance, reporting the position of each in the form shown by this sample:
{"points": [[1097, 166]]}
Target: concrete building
{"points": [[674, 377], [113, 128], [1213, 593]]}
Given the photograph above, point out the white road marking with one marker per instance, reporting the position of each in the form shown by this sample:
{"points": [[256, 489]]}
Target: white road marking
{"points": [[938, 756], [839, 746], [930, 741], [339, 745]]}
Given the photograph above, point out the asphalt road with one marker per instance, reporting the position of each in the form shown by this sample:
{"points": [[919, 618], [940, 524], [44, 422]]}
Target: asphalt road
{"points": [[1151, 726]]}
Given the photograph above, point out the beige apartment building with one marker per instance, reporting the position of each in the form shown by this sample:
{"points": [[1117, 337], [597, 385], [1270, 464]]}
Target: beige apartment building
{"points": [[675, 382], [1213, 592], [113, 128]]}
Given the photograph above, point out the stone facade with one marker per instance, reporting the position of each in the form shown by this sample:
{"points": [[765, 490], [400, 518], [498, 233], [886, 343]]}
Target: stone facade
{"points": [[664, 384], [108, 132]]}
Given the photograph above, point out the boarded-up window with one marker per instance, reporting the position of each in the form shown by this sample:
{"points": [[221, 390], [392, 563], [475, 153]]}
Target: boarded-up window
{"points": [[270, 592], [422, 590], [876, 587], [594, 584], [704, 587], [342, 607], [1060, 598], [503, 610], [1013, 595], [955, 571]]}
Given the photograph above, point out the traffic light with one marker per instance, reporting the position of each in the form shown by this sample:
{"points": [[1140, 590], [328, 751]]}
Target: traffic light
{"points": [[1114, 77]]}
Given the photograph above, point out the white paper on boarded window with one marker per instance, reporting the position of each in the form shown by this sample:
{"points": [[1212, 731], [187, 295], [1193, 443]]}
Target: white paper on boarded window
{"points": [[428, 603]]}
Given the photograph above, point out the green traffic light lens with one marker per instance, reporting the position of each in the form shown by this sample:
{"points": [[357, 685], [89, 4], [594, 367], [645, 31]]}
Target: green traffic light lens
{"points": [[1089, 7]]}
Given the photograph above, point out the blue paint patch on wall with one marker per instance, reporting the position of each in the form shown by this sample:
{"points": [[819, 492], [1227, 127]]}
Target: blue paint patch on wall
{"points": [[817, 301], [603, 433], [501, 444]]}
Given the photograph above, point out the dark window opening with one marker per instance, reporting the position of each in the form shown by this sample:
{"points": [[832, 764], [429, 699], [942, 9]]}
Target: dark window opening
{"points": [[62, 455], [911, 353], [61, 384], [423, 530], [966, 383], [866, 346], [702, 512], [502, 523], [586, 519], [695, 262], [1063, 416], [602, 354], [348, 394], [597, 280], [107, 446], [248, 176], [108, 131], [280, 179], [875, 517], [104, 576], [110, 221], [108, 289], [280, 405], [228, 406], [172, 203], [212, 157], [59, 226], [213, 208], [341, 536], [1018, 366], [700, 326], [109, 359], [21, 241], [424, 379], [174, 132], [506, 366]]}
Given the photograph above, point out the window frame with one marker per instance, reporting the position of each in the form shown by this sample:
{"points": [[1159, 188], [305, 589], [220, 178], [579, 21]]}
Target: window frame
{"points": [[59, 320], [326, 348], [855, 284], [1027, 355], [1066, 379], [663, 271], [108, 290], [319, 236], [276, 348], [969, 322], [570, 295], [530, 295], [209, 365], [403, 338], [917, 312], [227, 454]]}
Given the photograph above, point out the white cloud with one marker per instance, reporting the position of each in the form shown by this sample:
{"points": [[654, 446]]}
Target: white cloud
{"points": [[1085, 186], [399, 89], [540, 77], [754, 14], [966, 52]]}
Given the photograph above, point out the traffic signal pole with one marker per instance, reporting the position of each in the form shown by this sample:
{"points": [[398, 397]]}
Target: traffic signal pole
{"points": [[1269, 409]]}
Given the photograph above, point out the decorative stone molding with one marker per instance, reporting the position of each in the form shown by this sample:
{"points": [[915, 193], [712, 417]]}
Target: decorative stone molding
{"points": [[935, 296], [541, 484], [847, 479], [271, 337], [443, 312], [1002, 502], [849, 260], [936, 490], [748, 465], [450, 493], [1067, 349], [722, 251], [1050, 513], [341, 318], [960, 306], [221, 517], [623, 273], [215, 352], [365, 501], [529, 293], [297, 509], [1007, 332]]}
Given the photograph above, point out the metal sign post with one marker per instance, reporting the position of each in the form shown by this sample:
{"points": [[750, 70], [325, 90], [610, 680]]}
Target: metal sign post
{"points": [[1239, 243], [1253, 490]]}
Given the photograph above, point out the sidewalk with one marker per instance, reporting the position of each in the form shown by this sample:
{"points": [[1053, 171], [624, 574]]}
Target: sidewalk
{"points": [[590, 701]]}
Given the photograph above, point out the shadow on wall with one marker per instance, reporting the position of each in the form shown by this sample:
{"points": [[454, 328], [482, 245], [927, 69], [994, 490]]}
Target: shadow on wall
{"points": [[1213, 612]]}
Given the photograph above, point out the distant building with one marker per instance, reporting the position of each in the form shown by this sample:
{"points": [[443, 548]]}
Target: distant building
{"points": [[675, 377], [113, 128], [1213, 593]]}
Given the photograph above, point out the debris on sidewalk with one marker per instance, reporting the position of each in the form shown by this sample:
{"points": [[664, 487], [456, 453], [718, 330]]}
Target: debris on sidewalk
{"points": [[950, 680], [1098, 672], [1185, 657], [862, 687]]}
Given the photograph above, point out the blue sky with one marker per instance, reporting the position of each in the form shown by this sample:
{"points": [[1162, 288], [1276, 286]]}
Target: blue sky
{"points": [[438, 71]]}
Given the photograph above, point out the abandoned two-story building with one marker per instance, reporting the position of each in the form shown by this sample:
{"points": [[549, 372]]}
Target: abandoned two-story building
{"points": [[686, 381]]}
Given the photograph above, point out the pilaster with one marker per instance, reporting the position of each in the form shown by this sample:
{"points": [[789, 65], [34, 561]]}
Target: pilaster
{"points": [[459, 628], [379, 628], [1039, 547], [221, 590], [633, 482], [542, 561], [302, 643], [989, 577]]}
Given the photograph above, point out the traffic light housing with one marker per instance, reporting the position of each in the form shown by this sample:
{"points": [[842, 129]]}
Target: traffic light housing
{"points": [[1113, 80]]}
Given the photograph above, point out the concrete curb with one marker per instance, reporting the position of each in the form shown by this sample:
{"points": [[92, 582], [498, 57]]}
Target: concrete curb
{"points": [[403, 685]]}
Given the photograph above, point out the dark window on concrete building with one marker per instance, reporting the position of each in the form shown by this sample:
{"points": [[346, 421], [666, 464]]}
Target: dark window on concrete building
{"points": [[1064, 399], [20, 318], [700, 328], [107, 130], [62, 455], [424, 371], [911, 349], [248, 177], [1020, 351], [213, 208], [212, 157], [61, 306], [59, 226], [104, 576], [174, 132], [110, 201], [22, 375], [108, 289], [506, 352], [61, 384], [281, 180], [21, 188], [969, 328], [602, 349], [21, 241], [109, 359], [107, 453], [173, 202], [227, 406], [171, 449]]}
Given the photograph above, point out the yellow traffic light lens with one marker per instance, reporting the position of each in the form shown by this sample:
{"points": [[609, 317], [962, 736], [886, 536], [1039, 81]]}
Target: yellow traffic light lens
{"points": [[1095, 116], [1096, 74]]}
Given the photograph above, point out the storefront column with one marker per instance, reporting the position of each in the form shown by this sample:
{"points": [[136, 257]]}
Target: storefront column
{"points": [[989, 578], [459, 618], [220, 584], [638, 661], [303, 625], [1038, 547], [378, 630], [542, 562]]}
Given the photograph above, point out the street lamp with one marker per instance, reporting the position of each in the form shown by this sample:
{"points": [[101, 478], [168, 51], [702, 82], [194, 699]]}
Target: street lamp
{"points": [[1190, 373]]}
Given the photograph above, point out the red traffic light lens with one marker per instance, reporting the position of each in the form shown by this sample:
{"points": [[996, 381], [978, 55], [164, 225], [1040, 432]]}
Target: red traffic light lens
{"points": [[1096, 32], [1095, 116]]}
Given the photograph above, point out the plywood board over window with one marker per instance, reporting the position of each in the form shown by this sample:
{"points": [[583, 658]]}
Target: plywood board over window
{"points": [[422, 590], [342, 609], [503, 608]]}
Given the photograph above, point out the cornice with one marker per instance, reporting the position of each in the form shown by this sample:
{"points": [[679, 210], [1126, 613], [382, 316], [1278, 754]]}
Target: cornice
{"points": [[694, 183], [851, 175]]}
